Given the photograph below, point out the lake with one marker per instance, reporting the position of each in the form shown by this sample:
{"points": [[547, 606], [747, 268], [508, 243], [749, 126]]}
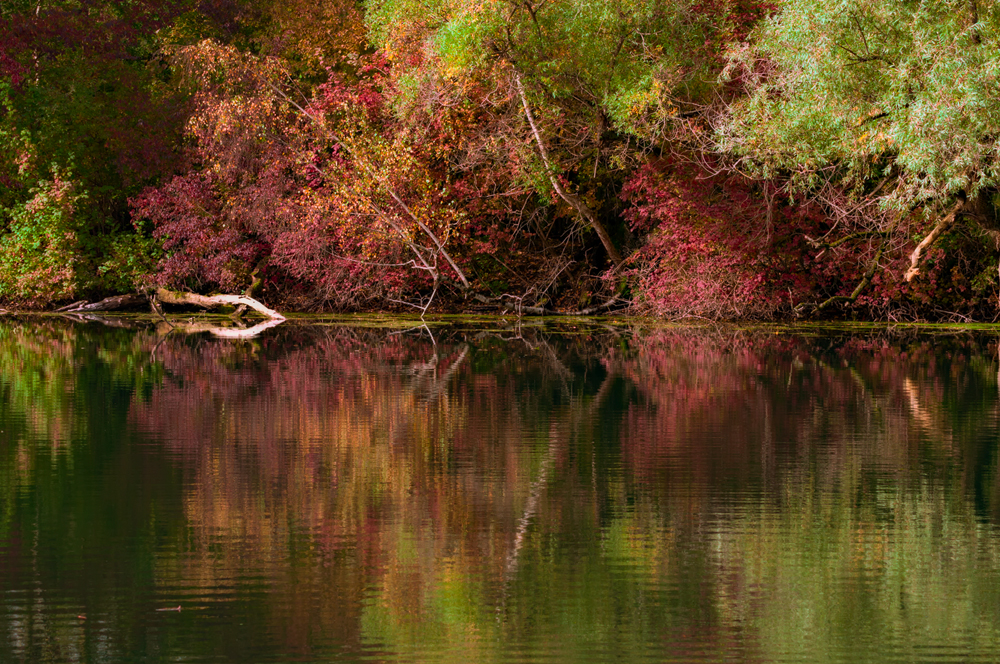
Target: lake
{"points": [[493, 492]]}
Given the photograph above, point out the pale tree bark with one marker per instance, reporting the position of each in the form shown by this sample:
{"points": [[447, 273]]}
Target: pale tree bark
{"points": [[572, 199], [216, 330], [942, 226], [214, 301]]}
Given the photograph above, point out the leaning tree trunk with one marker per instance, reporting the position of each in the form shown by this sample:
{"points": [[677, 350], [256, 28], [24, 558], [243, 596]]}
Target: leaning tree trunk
{"points": [[574, 201], [940, 228]]}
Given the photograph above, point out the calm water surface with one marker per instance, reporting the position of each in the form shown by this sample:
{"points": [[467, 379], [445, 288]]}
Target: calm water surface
{"points": [[339, 494]]}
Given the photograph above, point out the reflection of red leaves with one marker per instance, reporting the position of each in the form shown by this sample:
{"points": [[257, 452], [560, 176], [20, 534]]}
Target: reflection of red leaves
{"points": [[748, 391]]}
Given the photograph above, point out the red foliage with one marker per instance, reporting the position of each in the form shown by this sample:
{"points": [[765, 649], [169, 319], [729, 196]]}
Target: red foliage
{"points": [[10, 69], [710, 251], [310, 192], [713, 249], [203, 249]]}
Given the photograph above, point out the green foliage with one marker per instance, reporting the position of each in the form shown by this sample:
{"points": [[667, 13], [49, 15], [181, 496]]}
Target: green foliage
{"points": [[41, 247], [856, 86], [81, 91], [51, 252], [128, 260], [621, 57]]}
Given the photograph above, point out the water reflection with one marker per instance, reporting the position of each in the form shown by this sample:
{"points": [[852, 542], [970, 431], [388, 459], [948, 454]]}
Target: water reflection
{"points": [[573, 494]]}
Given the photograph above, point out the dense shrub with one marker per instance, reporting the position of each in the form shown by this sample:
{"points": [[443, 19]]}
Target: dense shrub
{"points": [[40, 253]]}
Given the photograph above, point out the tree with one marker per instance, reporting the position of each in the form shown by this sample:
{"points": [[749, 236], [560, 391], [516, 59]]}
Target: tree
{"points": [[81, 128], [577, 82], [886, 111], [320, 188]]}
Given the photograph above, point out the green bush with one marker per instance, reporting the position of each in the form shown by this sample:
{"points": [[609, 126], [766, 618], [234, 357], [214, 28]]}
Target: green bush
{"points": [[40, 250]]}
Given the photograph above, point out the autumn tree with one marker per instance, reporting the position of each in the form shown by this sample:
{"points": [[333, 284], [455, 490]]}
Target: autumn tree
{"points": [[81, 128], [549, 107], [318, 189]]}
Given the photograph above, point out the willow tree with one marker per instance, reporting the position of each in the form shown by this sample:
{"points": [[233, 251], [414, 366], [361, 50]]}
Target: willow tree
{"points": [[886, 110]]}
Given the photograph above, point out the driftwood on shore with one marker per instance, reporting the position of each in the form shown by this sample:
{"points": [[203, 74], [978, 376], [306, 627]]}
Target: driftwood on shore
{"points": [[168, 296], [505, 303], [107, 304], [84, 311]]}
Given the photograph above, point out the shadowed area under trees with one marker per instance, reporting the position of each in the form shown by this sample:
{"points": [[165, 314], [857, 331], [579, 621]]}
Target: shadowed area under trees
{"points": [[725, 159]]}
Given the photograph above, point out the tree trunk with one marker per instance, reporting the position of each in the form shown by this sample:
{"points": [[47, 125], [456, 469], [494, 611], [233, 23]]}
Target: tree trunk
{"points": [[917, 257], [574, 201], [107, 304]]}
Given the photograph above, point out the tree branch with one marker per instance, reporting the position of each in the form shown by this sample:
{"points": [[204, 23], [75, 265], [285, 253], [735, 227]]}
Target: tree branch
{"points": [[861, 235], [573, 200], [939, 229], [866, 281]]}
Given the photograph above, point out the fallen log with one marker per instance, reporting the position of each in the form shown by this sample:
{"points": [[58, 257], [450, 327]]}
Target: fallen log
{"points": [[168, 296], [73, 305], [107, 304], [125, 323]]}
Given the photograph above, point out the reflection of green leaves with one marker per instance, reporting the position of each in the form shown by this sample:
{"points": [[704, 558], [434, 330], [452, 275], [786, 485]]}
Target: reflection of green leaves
{"points": [[905, 585], [450, 621]]}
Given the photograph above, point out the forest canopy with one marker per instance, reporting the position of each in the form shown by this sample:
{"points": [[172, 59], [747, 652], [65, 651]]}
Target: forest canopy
{"points": [[727, 159]]}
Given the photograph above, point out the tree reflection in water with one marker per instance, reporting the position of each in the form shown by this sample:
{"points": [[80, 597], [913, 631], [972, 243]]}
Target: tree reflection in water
{"points": [[576, 493]]}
